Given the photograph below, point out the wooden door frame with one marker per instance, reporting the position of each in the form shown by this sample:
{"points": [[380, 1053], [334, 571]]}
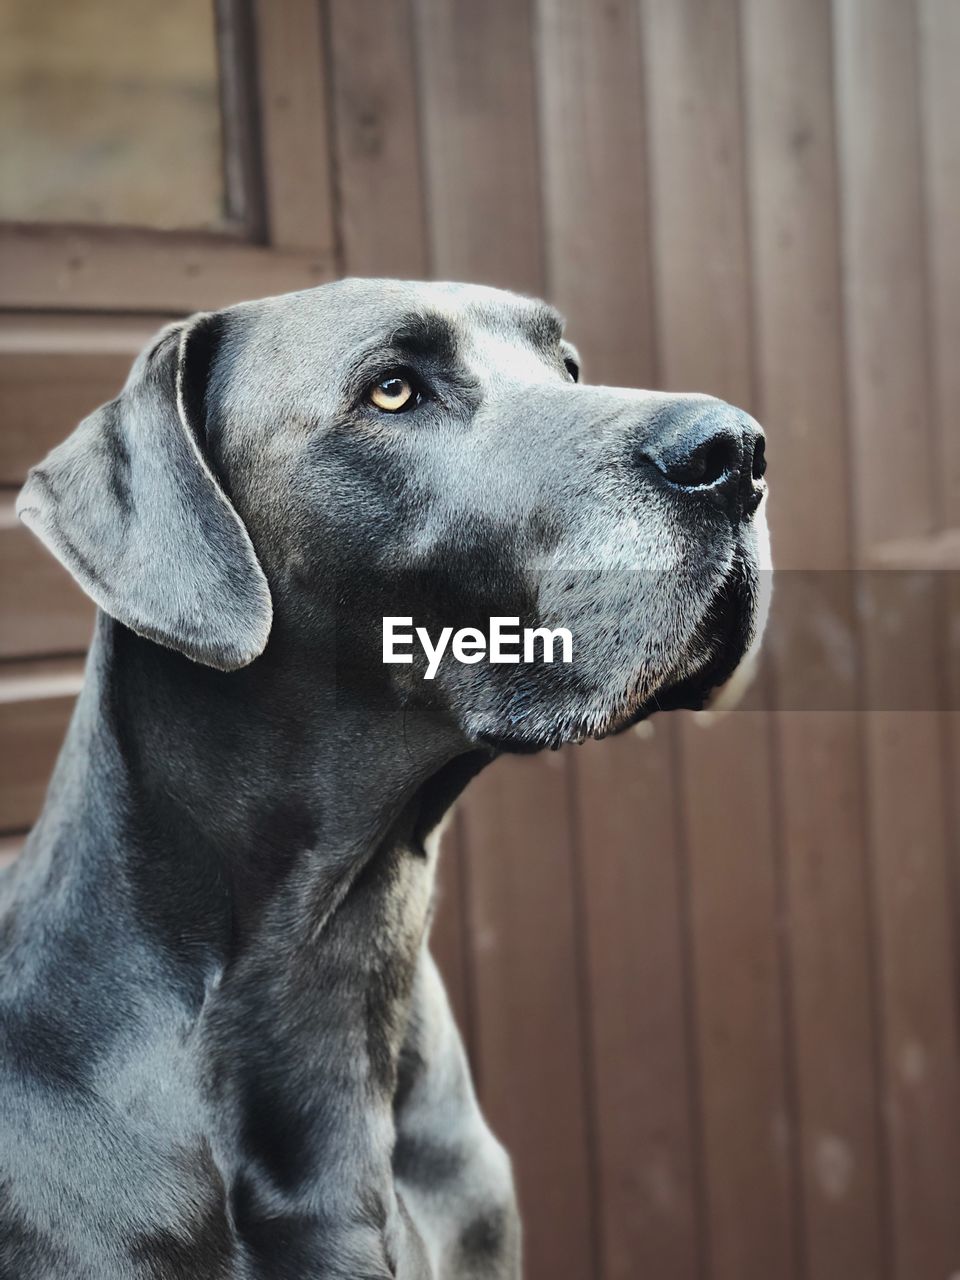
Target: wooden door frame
{"points": [[274, 94]]}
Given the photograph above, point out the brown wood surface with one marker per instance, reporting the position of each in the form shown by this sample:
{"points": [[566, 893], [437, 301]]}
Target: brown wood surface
{"points": [[298, 179], [698, 180], [593, 139], [939, 35], [530, 1027], [830, 996], [481, 161], [142, 271], [892, 437], [633, 914], [379, 165]]}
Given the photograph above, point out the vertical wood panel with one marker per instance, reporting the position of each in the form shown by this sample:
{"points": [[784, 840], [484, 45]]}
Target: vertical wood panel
{"points": [[298, 195], [801, 401], [704, 313], [590, 74], [529, 1033], [626, 806], [940, 50], [878, 99], [379, 165], [478, 105]]}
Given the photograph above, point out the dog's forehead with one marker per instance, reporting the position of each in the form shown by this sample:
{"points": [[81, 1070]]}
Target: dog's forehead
{"points": [[333, 324]]}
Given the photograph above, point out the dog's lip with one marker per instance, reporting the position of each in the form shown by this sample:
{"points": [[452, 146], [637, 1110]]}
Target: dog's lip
{"points": [[729, 639]]}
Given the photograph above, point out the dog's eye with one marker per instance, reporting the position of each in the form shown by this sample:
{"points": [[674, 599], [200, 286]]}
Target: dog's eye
{"points": [[572, 368], [394, 393]]}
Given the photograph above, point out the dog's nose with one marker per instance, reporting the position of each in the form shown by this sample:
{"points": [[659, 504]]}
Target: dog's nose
{"points": [[714, 451]]}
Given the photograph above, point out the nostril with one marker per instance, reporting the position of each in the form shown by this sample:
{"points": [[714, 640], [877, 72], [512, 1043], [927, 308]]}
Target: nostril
{"points": [[706, 464], [759, 467]]}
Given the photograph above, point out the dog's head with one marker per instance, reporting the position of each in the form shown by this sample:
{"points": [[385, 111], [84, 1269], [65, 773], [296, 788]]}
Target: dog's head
{"points": [[316, 462]]}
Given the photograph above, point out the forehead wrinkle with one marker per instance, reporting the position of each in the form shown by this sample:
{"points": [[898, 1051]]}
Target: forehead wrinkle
{"points": [[545, 324], [535, 323], [424, 334]]}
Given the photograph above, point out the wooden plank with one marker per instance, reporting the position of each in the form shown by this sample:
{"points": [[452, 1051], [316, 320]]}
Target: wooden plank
{"points": [[80, 268], [529, 1030], [291, 61], [478, 102], [593, 139], [36, 700], [595, 187], [53, 371], [45, 611], [380, 186], [642, 1078], [939, 30], [801, 400], [704, 323], [939, 50], [892, 437]]}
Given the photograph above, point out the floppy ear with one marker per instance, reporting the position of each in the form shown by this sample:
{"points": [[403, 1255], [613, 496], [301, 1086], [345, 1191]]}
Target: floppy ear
{"points": [[130, 506]]}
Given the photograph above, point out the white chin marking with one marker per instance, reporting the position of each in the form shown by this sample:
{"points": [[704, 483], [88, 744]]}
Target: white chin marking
{"points": [[729, 695]]}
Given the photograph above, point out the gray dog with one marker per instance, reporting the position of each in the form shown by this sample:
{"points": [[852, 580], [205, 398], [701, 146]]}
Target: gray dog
{"points": [[225, 1051]]}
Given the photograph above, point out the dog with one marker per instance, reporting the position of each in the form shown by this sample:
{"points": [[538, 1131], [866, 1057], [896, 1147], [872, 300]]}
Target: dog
{"points": [[225, 1050]]}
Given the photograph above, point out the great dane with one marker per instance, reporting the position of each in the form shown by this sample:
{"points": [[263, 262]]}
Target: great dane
{"points": [[225, 1050]]}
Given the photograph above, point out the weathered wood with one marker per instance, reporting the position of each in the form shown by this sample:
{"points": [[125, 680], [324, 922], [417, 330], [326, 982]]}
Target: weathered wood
{"points": [[891, 435], [939, 31], [478, 101], [801, 401], [295, 144], [45, 267], [704, 313], [529, 1025], [642, 1079], [376, 125], [595, 199]]}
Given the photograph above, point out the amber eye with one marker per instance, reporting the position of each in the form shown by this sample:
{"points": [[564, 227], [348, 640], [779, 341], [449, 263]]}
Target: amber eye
{"points": [[393, 393]]}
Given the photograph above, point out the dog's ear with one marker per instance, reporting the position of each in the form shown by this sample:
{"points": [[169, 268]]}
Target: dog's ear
{"points": [[129, 504]]}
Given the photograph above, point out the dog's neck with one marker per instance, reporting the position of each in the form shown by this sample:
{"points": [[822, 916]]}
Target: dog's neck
{"points": [[265, 833], [243, 777]]}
